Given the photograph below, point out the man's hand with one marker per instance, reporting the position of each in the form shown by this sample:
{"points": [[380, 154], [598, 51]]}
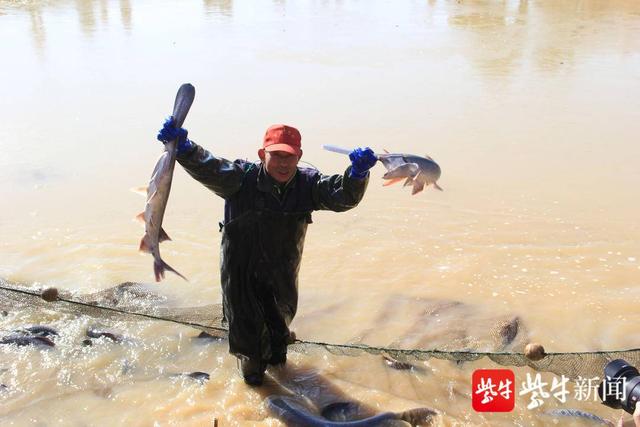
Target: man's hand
{"points": [[169, 133], [361, 161]]}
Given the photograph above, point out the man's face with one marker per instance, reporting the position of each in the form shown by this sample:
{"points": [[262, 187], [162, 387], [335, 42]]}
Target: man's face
{"points": [[280, 165]]}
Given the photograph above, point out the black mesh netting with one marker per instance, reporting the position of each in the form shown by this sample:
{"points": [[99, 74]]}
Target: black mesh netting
{"points": [[132, 302]]}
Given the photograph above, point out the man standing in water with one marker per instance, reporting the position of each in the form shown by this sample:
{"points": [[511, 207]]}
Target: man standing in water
{"points": [[267, 209]]}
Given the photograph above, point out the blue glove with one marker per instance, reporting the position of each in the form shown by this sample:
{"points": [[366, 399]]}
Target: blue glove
{"points": [[361, 162], [169, 132]]}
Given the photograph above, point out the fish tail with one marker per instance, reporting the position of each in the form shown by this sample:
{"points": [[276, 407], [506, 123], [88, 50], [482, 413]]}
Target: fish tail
{"points": [[159, 267]]}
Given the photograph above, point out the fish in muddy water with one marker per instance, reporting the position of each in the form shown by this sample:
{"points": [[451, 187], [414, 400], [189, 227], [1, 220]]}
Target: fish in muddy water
{"points": [[22, 340], [417, 171], [38, 331], [198, 376], [300, 396], [341, 414], [94, 332], [160, 186], [578, 414]]}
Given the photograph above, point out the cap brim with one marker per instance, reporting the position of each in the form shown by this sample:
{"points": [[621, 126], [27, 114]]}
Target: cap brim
{"points": [[283, 147]]}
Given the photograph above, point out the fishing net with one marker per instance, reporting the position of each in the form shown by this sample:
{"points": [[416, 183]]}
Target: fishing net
{"points": [[133, 302]]}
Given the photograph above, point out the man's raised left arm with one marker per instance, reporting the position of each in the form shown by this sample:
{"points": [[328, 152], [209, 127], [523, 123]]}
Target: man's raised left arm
{"points": [[339, 193]]}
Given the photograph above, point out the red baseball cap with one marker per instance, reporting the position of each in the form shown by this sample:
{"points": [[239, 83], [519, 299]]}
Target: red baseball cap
{"points": [[283, 138]]}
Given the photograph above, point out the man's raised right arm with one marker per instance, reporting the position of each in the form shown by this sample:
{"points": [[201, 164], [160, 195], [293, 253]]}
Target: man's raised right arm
{"points": [[219, 175]]}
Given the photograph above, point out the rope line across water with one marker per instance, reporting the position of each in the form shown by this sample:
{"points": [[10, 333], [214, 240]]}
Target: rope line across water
{"points": [[572, 364]]}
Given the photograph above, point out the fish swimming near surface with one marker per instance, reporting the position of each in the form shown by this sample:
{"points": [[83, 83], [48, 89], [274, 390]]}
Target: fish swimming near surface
{"points": [[198, 376], [160, 186], [23, 340], [576, 413], [419, 172], [36, 335], [94, 332], [338, 414], [38, 331], [394, 363]]}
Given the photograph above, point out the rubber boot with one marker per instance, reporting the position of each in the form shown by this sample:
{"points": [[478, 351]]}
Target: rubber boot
{"points": [[253, 372]]}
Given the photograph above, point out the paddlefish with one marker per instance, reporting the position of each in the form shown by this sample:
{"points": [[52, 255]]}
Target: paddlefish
{"points": [[93, 332], [22, 340], [576, 413], [38, 331], [160, 186], [417, 171], [295, 414], [37, 335]]}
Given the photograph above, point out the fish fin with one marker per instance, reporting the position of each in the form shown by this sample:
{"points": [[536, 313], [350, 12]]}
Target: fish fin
{"points": [[426, 156], [159, 266], [409, 181], [140, 190], [385, 150], [163, 236], [145, 246], [140, 217], [391, 181], [417, 187], [437, 187]]}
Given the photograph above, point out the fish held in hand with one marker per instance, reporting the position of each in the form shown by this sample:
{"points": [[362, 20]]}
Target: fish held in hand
{"points": [[417, 171], [160, 186]]}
